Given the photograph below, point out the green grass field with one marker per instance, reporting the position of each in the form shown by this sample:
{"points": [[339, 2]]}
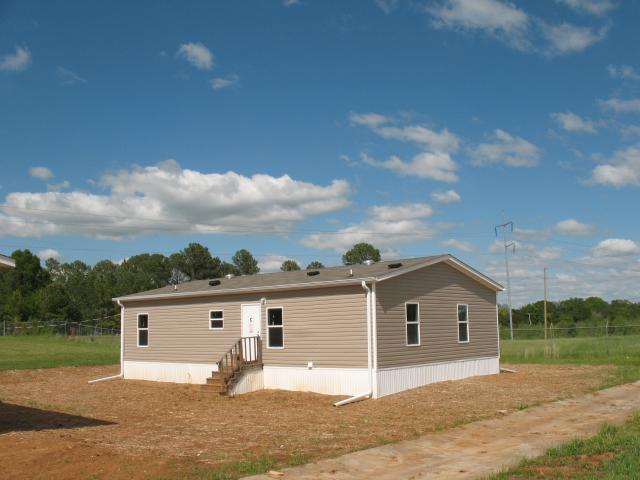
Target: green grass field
{"points": [[620, 350], [45, 351], [614, 453]]}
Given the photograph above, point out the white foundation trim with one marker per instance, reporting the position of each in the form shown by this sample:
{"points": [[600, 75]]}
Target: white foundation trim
{"points": [[330, 381], [251, 380], [397, 379], [168, 371]]}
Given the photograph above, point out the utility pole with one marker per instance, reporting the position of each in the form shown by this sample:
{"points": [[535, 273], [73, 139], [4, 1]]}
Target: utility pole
{"points": [[507, 246], [545, 303]]}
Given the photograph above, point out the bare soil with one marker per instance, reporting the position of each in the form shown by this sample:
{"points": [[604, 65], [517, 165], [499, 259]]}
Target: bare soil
{"points": [[54, 425]]}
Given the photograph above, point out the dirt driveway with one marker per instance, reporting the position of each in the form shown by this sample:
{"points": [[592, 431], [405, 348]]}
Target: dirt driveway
{"points": [[54, 425]]}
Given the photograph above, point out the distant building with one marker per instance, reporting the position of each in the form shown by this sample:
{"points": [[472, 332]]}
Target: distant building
{"points": [[7, 262]]}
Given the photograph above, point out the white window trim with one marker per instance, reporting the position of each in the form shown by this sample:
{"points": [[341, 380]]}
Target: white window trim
{"points": [[275, 326], [407, 322], [138, 330], [216, 310], [458, 322]]}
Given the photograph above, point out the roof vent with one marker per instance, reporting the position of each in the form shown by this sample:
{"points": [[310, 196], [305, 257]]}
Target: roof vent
{"points": [[229, 275], [214, 283], [394, 265], [313, 273], [369, 262], [175, 287], [351, 272]]}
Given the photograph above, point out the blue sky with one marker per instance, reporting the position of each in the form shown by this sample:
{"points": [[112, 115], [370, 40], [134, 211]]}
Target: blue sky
{"points": [[298, 128]]}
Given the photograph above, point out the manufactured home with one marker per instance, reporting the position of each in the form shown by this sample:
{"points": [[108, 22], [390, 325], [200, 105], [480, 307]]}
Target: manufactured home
{"points": [[362, 330]]}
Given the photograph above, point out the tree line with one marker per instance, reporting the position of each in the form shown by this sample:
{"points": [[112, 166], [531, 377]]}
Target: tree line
{"points": [[591, 311], [76, 291]]}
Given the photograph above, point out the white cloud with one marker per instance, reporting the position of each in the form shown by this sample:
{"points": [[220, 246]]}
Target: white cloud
{"points": [[459, 245], [387, 226], [167, 198], [621, 170], [573, 123], [448, 196], [615, 247], [501, 20], [419, 135], [436, 166], [197, 55], [16, 62], [566, 38], [630, 130], [595, 7], [48, 253], [574, 227], [407, 211], [290, 3], [41, 173], [625, 72], [272, 263], [387, 6], [621, 106], [434, 160], [219, 83], [507, 150], [56, 187], [564, 277], [68, 77], [370, 120]]}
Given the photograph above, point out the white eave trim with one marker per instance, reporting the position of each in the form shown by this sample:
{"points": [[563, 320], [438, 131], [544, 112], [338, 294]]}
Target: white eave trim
{"points": [[452, 261], [7, 262], [205, 293]]}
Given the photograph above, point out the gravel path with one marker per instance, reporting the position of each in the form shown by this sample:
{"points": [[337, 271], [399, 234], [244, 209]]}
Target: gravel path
{"points": [[481, 448]]}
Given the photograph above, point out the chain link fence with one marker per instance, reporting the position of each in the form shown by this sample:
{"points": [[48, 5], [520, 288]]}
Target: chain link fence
{"points": [[570, 331], [88, 328]]}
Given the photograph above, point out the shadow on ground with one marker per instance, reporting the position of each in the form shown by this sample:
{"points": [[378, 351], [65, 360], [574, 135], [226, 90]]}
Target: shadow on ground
{"points": [[18, 418]]}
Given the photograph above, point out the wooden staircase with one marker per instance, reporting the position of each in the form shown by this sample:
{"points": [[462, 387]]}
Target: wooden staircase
{"points": [[245, 353]]}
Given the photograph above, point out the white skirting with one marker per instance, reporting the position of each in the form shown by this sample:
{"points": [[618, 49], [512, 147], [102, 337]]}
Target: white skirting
{"points": [[393, 380], [169, 371], [330, 381], [250, 381]]}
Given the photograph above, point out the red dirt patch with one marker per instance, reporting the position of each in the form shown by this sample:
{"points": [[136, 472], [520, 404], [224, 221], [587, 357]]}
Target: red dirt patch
{"points": [[138, 430]]}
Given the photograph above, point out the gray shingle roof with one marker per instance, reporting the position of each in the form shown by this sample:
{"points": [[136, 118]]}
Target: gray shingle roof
{"points": [[280, 279], [298, 279]]}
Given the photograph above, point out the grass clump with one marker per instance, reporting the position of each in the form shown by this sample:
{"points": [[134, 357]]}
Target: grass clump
{"points": [[48, 351], [614, 453]]}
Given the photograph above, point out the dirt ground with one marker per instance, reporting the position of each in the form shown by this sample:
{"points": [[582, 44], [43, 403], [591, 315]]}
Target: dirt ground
{"points": [[54, 425]]}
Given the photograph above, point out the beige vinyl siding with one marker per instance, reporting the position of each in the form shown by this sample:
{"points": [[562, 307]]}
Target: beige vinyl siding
{"points": [[438, 289], [326, 326]]}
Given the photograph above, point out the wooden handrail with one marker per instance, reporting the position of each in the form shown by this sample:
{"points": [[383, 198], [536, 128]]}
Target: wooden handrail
{"points": [[246, 351]]}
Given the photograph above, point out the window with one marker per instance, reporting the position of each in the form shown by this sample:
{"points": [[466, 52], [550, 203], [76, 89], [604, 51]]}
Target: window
{"points": [[412, 315], [216, 319], [143, 329], [463, 323], [275, 329]]}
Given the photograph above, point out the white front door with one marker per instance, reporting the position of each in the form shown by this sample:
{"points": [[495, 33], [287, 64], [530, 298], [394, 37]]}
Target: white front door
{"points": [[250, 328]]}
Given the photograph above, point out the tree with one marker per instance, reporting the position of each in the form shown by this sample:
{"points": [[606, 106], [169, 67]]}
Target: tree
{"points": [[196, 261], [315, 265], [245, 262], [227, 268], [360, 253], [289, 266]]}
